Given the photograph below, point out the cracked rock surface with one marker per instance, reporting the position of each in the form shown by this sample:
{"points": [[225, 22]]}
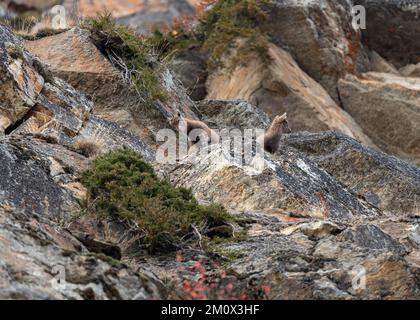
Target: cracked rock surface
{"points": [[329, 216]]}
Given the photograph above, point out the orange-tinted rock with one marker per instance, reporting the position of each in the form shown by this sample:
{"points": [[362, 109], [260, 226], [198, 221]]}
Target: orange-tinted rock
{"points": [[387, 108], [284, 87], [320, 36], [73, 57]]}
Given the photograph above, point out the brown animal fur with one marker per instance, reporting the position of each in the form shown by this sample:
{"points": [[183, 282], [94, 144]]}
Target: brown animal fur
{"points": [[271, 139], [179, 121]]}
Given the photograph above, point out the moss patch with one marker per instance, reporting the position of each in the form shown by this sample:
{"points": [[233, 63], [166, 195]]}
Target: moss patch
{"points": [[122, 185]]}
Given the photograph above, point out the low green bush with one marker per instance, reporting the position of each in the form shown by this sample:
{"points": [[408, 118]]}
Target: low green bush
{"points": [[122, 185], [217, 35], [122, 44]]}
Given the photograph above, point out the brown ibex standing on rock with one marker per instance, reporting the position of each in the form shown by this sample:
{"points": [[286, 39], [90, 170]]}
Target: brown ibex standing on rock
{"points": [[271, 139], [190, 125]]}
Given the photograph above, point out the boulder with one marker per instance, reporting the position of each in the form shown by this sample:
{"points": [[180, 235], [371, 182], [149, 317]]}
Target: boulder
{"points": [[411, 70], [121, 8], [384, 181], [32, 92], [190, 67], [392, 28], [84, 66], [36, 102], [379, 64], [320, 36], [371, 264], [387, 108], [143, 15], [372, 237], [42, 261], [20, 82], [232, 114], [359, 262], [157, 14], [109, 136], [284, 87], [27, 183], [286, 182]]}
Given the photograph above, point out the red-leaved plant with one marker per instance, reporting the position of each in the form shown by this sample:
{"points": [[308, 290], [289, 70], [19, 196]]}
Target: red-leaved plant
{"points": [[205, 284]]}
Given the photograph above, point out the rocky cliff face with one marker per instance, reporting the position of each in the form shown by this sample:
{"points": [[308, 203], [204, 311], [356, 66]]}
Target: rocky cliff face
{"points": [[390, 26], [38, 253], [39, 188], [380, 102], [313, 51], [320, 36], [330, 216], [83, 66], [284, 87]]}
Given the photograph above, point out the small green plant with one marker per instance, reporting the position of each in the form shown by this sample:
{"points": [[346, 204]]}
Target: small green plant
{"points": [[121, 184], [129, 52]]}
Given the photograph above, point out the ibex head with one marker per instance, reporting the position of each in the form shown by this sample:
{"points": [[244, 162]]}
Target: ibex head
{"points": [[283, 123]]}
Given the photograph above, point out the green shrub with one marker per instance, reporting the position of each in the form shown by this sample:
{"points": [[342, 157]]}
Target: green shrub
{"points": [[230, 20], [121, 42], [218, 31], [121, 184]]}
